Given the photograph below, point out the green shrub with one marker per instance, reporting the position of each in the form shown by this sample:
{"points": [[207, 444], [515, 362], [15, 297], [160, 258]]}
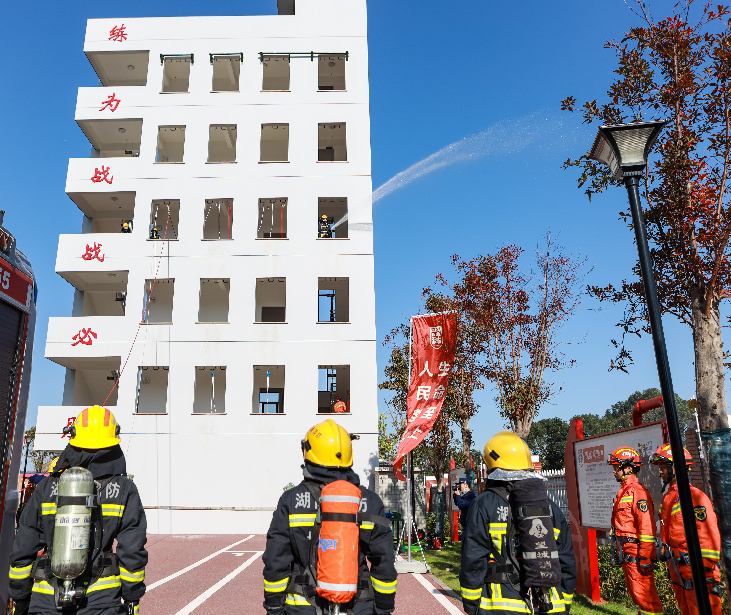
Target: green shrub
{"points": [[613, 587], [431, 525]]}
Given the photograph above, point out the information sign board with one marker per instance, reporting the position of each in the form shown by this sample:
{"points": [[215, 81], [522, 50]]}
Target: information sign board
{"points": [[596, 482], [454, 476]]}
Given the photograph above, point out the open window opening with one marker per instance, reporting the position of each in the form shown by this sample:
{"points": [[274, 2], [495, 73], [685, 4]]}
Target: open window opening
{"points": [[333, 390], [222, 143], [164, 217], [274, 143], [332, 218], [332, 300], [157, 306], [285, 7], [152, 390], [268, 389], [331, 72], [214, 300], [94, 379], [331, 145], [218, 219], [272, 219], [99, 293], [120, 68], [226, 70], [271, 300], [210, 390], [176, 73], [113, 138], [275, 71], [170, 143], [105, 212]]}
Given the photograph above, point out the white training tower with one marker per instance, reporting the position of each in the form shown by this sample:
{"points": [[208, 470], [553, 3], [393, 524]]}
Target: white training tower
{"points": [[221, 141]]}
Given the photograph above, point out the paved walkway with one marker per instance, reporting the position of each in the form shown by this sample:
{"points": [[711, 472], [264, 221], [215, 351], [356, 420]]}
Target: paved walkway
{"points": [[214, 574]]}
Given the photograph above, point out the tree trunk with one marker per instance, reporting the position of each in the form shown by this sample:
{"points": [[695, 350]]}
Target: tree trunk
{"points": [[710, 376], [712, 413], [466, 441]]}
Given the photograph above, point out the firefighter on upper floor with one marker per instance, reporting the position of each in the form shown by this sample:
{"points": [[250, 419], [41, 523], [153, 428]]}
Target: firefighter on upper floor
{"points": [[112, 582], [339, 406], [324, 230], [633, 531], [294, 544], [517, 555], [674, 546]]}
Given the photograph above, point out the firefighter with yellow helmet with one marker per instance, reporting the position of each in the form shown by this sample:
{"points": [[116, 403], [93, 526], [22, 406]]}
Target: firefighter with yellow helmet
{"points": [[517, 555], [293, 580], [75, 530]]}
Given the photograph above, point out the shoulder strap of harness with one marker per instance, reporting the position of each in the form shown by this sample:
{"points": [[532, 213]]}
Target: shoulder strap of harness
{"points": [[506, 568]]}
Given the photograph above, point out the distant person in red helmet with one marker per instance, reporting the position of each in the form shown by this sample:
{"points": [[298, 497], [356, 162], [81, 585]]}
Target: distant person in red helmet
{"points": [[340, 406], [675, 548], [633, 531]]}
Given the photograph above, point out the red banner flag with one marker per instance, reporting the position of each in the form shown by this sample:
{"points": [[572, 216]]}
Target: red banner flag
{"points": [[432, 356]]}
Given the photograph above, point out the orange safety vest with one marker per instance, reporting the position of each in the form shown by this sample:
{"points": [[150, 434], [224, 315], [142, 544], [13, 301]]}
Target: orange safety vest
{"points": [[340, 407]]}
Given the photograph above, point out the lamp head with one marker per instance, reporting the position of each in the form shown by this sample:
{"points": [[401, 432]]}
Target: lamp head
{"points": [[624, 147]]}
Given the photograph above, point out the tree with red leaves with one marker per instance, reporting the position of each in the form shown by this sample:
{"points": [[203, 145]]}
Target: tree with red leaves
{"points": [[512, 327], [679, 71]]}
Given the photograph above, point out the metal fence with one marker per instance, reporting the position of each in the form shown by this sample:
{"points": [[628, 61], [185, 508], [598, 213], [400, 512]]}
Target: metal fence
{"points": [[557, 489]]}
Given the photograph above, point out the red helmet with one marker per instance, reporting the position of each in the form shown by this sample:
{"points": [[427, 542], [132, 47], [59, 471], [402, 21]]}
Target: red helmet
{"points": [[664, 454], [625, 456]]}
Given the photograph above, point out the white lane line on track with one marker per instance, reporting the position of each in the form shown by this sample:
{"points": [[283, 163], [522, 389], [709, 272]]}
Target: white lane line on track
{"points": [[195, 565], [440, 597], [186, 610]]}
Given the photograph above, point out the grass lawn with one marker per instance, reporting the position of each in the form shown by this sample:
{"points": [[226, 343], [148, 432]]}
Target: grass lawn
{"points": [[445, 565]]}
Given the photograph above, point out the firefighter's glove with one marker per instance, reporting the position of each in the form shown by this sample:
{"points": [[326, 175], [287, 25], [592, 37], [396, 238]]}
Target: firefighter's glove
{"points": [[20, 607], [132, 607]]}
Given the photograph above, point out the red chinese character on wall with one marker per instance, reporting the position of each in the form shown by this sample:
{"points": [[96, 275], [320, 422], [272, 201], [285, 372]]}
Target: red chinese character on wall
{"points": [[84, 337], [118, 34], [110, 103], [102, 176], [93, 253], [69, 423]]}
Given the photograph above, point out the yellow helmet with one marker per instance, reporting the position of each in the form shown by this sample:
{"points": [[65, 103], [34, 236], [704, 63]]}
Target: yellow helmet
{"points": [[52, 465], [328, 444], [94, 428], [508, 451]]}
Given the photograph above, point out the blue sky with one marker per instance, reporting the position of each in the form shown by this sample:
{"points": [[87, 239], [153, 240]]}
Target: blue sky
{"points": [[439, 72]]}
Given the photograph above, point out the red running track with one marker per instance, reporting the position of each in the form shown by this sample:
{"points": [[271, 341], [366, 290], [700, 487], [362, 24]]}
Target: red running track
{"points": [[214, 574]]}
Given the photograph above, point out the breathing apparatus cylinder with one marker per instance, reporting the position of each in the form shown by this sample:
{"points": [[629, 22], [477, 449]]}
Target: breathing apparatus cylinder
{"points": [[541, 569], [337, 553], [73, 524]]}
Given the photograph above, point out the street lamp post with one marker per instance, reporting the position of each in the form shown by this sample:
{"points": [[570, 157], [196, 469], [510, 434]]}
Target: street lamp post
{"points": [[624, 148]]}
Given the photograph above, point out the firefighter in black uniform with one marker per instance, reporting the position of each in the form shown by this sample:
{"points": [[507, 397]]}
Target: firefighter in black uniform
{"points": [[493, 564], [289, 586], [114, 582]]}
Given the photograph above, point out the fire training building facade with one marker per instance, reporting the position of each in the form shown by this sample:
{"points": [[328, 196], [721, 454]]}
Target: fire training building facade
{"points": [[217, 146]]}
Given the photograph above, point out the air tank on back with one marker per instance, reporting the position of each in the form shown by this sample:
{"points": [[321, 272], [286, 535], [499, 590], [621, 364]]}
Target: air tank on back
{"points": [[73, 523]]}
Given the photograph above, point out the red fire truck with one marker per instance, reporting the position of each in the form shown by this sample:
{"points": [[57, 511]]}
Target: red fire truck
{"points": [[18, 294]]}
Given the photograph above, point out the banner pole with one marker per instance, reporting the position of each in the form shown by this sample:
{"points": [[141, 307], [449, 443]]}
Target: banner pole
{"points": [[408, 456]]}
